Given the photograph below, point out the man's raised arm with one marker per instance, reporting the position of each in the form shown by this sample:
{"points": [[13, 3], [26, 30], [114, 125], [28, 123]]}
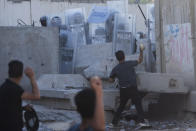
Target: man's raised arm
{"points": [[35, 94], [99, 119], [140, 59], [112, 75]]}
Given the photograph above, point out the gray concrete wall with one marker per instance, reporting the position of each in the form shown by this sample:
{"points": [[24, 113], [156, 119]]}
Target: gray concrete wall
{"points": [[179, 12], [172, 13], [35, 47], [90, 54], [193, 27], [99, 60], [10, 12]]}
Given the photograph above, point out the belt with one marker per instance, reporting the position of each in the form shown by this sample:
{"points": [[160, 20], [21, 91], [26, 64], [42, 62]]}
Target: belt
{"points": [[123, 87]]}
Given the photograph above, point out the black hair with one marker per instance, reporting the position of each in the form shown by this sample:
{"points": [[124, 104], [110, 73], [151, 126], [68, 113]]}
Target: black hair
{"points": [[15, 69], [120, 55], [85, 101]]}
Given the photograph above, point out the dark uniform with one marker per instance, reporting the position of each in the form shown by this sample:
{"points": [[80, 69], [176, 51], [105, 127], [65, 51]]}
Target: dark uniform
{"points": [[125, 72], [10, 106]]}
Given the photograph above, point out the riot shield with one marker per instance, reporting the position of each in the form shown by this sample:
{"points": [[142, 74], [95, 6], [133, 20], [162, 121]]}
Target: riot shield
{"points": [[75, 21], [124, 34]]}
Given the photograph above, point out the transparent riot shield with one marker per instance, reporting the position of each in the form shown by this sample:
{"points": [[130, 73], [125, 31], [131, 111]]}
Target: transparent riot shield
{"points": [[75, 21], [66, 60], [151, 17], [66, 52], [124, 34], [99, 33], [97, 24]]}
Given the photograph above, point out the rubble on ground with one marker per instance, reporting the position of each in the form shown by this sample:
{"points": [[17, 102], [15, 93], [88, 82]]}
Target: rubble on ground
{"points": [[61, 120], [55, 119], [171, 125]]}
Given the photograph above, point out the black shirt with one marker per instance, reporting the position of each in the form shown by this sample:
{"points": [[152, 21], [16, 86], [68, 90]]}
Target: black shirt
{"points": [[125, 72], [10, 106]]}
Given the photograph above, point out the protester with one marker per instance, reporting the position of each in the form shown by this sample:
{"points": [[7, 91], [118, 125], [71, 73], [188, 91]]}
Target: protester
{"points": [[12, 94], [89, 103], [126, 75]]}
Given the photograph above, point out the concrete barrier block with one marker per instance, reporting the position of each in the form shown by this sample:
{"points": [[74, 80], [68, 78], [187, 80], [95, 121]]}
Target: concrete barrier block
{"points": [[64, 99], [62, 81], [36, 47], [161, 83], [190, 102]]}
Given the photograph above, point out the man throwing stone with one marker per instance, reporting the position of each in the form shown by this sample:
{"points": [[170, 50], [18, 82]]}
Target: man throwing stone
{"points": [[126, 75]]}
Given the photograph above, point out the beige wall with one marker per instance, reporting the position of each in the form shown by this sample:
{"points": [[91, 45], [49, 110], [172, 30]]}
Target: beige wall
{"points": [[10, 12]]}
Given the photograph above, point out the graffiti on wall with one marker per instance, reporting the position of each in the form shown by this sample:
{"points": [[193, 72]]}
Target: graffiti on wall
{"points": [[178, 46]]}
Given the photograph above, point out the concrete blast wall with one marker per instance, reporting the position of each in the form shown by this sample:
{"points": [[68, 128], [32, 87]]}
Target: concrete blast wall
{"points": [[35, 47], [174, 31], [175, 35]]}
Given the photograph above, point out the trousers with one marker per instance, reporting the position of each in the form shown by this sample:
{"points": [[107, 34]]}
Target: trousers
{"points": [[126, 94]]}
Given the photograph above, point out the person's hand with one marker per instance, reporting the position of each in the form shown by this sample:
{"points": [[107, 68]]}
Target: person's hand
{"points": [[142, 47], [29, 73], [96, 84]]}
